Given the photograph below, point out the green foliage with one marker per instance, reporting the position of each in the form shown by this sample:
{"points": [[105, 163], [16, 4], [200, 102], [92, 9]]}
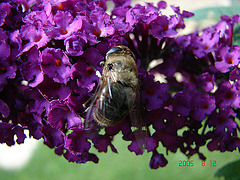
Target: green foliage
{"points": [[236, 35], [45, 164], [230, 171]]}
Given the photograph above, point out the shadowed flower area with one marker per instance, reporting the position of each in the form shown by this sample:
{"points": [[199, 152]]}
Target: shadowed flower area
{"points": [[50, 52]]}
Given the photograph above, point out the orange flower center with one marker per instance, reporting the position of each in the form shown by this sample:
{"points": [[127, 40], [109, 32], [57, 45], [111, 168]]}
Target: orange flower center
{"points": [[38, 38], [60, 6], [3, 70], [205, 106], [229, 95], [63, 32], [89, 71], [58, 62], [97, 33], [150, 92], [230, 61]]}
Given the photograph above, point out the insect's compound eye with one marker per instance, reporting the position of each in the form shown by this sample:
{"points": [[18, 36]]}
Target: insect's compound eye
{"points": [[114, 50], [120, 50]]}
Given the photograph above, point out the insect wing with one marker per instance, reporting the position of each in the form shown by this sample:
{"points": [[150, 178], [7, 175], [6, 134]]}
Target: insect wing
{"points": [[91, 106], [138, 122], [94, 103]]}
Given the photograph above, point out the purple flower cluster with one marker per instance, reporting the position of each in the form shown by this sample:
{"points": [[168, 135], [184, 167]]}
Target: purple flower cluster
{"points": [[49, 51]]}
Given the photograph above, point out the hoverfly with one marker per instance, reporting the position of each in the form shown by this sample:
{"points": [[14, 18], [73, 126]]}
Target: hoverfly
{"points": [[118, 91]]}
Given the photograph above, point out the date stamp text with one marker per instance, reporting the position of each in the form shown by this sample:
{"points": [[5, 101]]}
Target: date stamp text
{"points": [[191, 163]]}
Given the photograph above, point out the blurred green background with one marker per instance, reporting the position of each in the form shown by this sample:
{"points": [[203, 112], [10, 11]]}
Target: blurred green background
{"points": [[44, 164]]}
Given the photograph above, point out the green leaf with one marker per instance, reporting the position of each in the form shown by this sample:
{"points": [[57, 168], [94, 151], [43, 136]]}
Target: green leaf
{"points": [[230, 171], [236, 35]]}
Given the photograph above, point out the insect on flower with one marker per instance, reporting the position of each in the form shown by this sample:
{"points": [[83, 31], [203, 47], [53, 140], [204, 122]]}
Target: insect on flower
{"points": [[118, 91]]}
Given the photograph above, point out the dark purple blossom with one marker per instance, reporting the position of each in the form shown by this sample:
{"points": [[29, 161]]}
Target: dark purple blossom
{"points": [[52, 90], [227, 95], [228, 58], [162, 118], [103, 26], [33, 123], [154, 92], [121, 7], [181, 16], [3, 14], [157, 160], [4, 109], [168, 138], [141, 14], [7, 132], [61, 117], [7, 71], [120, 126], [77, 142], [206, 81], [162, 5], [38, 103], [216, 142], [101, 142], [81, 158], [191, 138], [207, 42], [235, 74], [232, 143], [16, 43], [81, 96], [223, 121], [182, 101], [52, 137], [231, 21], [139, 142], [202, 105], [56, 65], [84, 74], [65, 25], [31, 70], [163, 26], [4, 47], [93, 56], [33, 31], [74, 44], [168, 67]]}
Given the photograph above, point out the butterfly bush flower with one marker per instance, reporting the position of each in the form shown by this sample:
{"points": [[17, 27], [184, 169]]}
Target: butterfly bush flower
{"points": [[229, 57], [50, 53], [157, 160], [56, 65], [206, 81]]}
